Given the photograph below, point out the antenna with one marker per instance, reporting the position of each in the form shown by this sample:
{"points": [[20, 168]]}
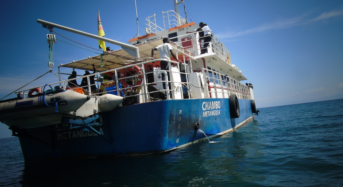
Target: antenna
{"points": [[176, 3], [184, 6], [137, 19]]}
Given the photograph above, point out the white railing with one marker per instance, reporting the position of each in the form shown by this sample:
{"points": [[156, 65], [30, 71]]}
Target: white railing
{"points": [[222, 86], [195, 44], [152, 27], [172, 19], [218, 85]]}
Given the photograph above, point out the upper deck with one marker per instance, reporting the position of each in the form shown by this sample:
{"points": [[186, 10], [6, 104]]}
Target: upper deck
{"points": [[186, 44]]}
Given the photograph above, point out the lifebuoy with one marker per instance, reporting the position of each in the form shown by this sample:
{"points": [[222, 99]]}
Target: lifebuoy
{"points": [[34, 90], [253, 106], [234, 106], [123, 72]]}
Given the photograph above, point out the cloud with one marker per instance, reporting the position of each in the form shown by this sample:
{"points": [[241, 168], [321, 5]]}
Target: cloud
{"points": [[315, 90], [327, 15], [287, 23], [340, 85], [277, 25]]}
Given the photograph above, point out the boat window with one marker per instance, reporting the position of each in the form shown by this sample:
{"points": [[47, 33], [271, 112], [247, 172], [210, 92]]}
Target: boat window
{"points": [[173, 36], [224, 80], [217, 78], [210, 74]]}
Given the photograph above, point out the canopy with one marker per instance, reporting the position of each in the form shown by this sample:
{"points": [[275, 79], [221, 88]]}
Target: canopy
{"points": [[113, 59]]}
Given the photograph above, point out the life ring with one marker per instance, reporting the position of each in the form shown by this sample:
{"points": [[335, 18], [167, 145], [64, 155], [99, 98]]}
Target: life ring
{"points": [[253, 106], [34, 90], [234, 106], [123, 72]]}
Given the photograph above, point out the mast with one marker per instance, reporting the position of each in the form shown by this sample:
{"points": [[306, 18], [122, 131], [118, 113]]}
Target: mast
{"points": [[184, 6], [178, 20], [137, 19]]}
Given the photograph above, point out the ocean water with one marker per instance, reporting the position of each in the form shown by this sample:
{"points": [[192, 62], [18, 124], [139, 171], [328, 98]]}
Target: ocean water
{"points": [[294, 145]]}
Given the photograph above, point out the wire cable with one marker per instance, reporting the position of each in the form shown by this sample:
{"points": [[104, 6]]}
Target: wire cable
{"points": [[77, 46], [76, 41], [26, 84]]}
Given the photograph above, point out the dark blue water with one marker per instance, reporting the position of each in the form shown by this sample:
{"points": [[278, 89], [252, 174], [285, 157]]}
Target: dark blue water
{"points": [[295, 145]]}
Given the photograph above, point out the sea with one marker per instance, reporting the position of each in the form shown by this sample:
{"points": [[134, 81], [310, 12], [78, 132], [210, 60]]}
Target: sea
{"points": [[293, 145]]}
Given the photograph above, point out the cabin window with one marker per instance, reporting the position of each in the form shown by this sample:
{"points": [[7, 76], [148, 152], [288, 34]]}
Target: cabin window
{"points": [[217, 78], [210, 74], [223, 80], [173, 36]]}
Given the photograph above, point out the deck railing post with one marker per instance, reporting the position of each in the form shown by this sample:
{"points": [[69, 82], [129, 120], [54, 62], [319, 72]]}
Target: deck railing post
{"points": [[145, 90], [117, 83], [221, 83], [89, 85]]}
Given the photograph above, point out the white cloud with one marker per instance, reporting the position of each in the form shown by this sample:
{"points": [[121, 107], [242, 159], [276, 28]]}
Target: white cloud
{"points": [[287, 23], [316, 90], [327, 15]]}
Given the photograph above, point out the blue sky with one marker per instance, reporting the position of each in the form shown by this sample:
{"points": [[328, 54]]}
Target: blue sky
{"points": [[292, 51]]}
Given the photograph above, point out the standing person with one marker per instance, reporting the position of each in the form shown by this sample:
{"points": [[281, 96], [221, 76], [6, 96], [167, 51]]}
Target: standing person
{"points": [[84, 81], [164, 50], [201, 38], [207, 37], [72, 83]]}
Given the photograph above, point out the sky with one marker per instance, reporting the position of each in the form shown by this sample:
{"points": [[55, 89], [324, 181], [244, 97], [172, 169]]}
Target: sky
{"points": [[291, 51]]}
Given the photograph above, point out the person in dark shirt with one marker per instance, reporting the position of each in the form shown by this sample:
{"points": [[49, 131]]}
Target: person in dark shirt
{"points": [[72, 83], [84, 83]]}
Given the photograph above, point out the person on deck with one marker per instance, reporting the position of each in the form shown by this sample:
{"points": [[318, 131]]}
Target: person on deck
{"points": [[207, 37], [72, 83], [164, 50], [84, 83]]}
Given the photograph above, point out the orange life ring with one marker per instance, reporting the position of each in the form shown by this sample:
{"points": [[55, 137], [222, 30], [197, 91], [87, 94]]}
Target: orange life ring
{"points": [[122, 74], [34, 90]]}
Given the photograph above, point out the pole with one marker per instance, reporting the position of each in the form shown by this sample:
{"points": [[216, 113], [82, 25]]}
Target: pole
{"points": [[132, 50], [137, 19], [184, 6]]}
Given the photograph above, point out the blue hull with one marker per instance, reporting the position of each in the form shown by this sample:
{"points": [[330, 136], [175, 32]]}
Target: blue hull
{"points": [[137, 129]]}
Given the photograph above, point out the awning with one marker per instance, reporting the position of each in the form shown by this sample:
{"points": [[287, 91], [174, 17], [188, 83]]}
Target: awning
{"points": [[114, 59]]}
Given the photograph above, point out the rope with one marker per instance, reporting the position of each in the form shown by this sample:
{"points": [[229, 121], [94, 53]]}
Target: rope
{"points": [[26, 84], [77, 46]]}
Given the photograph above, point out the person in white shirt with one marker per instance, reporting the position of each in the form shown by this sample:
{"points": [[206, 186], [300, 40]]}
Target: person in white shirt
{"points": [[207, 37], [164, 50]]}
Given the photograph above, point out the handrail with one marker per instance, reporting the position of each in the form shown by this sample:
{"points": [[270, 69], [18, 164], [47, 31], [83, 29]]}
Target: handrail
{"points": [[217, 84], [231, 85]]}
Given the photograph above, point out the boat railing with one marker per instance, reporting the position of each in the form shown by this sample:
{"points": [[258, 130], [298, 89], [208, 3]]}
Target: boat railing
{"points": [[152, 27], [192, 42], [172, 19], [217, 85], [96, 89], [222, 86]]}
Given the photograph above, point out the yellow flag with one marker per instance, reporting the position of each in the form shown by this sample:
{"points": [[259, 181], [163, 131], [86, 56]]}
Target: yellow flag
{"points": [[101, 32]]}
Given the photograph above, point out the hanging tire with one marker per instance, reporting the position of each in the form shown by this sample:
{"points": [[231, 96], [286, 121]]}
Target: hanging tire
{"points": [[253, 106], [234, 106]]}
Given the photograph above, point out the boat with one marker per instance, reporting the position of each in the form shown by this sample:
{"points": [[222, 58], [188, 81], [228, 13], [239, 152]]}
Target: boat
{"points": [[132, 106]]}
